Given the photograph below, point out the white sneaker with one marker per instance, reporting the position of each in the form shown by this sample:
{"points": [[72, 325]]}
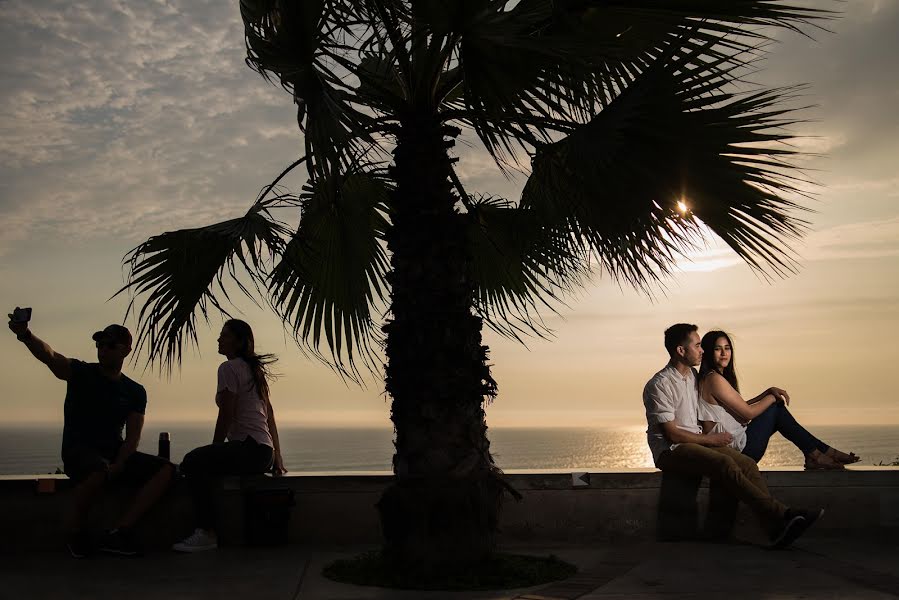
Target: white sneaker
{"points": [[198, 541]]}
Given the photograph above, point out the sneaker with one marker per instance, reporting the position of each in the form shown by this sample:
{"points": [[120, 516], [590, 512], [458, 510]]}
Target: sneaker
{"points": [[796, 522], [198, 541], [811, 515], [118, 541], [79, 544]]}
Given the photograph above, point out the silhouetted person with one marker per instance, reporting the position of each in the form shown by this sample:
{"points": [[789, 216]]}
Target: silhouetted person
{"points": [[678, 445], [245, 419], [101, 401]]}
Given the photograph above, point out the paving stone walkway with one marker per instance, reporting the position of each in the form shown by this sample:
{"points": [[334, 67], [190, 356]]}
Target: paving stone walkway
{"points": [[814, 568]]}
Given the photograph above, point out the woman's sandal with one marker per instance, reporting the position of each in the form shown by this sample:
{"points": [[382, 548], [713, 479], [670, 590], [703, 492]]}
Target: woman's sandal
{"points": [[842, 457], [822, 463]]}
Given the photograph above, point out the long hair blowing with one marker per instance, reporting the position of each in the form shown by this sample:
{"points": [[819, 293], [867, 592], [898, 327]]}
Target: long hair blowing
{"points": [[708, 358], [259, 363]]}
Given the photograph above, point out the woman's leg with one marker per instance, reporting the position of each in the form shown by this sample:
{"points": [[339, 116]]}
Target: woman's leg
{"points": [[777, 418], [796, 433], [205, 465], [201, 467], [253, 458], [758, 432]]}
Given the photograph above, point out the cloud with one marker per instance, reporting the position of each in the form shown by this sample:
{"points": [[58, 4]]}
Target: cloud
{"points": [[143, 117], [708, 261], [850, 69], [818, 144], [135, 116], [886, 187], [863, 240]]}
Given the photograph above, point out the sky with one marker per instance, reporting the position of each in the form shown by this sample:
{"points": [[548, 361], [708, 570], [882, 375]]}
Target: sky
{"points": [[121, 120]]}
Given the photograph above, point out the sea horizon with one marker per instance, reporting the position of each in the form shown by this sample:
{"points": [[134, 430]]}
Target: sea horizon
{"points": [[34, 449]]}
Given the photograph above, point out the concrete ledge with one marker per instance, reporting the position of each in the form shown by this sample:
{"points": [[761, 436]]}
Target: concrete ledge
{"points": [[334, 509]]}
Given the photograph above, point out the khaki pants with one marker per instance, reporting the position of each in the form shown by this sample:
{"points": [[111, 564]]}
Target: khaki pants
{"points": [[726, 467]]}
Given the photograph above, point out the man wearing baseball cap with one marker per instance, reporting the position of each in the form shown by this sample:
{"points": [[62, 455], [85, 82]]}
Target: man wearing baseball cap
{"points": [[100, 402]]}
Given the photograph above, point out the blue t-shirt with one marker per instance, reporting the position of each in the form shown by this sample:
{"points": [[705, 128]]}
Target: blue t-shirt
{"points": [[97, 408]]}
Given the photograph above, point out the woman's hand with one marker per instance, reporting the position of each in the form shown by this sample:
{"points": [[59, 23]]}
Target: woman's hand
{"points": [[278, 468], [780, 394]]}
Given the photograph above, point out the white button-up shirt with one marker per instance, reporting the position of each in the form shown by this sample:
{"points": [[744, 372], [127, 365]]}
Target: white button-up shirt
{"points": [[670, 396]]}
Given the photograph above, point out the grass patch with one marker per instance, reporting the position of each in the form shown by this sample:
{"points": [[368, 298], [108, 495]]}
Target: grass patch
{"points": [[502, 571]]}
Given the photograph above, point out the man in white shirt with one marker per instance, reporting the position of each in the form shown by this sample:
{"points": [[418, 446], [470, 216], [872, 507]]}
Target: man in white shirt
{"points": [[678, 445]]}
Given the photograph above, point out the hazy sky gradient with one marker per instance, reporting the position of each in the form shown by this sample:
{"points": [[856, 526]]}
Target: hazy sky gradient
{"points": [[121, 120]]}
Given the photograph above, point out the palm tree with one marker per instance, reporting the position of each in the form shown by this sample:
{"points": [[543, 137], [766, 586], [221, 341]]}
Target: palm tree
{"points": [[640, 139]]}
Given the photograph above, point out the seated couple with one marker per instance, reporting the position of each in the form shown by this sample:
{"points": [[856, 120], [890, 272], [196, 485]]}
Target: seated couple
{"points": [[680, 444], [101, 401]]}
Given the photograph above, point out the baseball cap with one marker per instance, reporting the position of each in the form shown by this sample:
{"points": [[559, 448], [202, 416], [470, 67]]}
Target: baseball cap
{"points": [[115, 333]]}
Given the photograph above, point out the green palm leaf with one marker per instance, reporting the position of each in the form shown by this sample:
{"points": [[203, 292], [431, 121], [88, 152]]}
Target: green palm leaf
{"points": [[332, 273], [178, 272]]}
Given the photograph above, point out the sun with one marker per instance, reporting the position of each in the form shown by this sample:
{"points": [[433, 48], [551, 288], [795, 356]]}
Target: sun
{"points": [[682, 207]]}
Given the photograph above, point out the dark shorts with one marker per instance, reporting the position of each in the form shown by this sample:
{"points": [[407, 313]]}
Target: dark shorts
{"points": [[81, 461]]}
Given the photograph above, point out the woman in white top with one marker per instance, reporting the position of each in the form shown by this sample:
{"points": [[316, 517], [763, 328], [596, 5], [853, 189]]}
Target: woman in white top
{"points": [[752, 422], [245, 419]]}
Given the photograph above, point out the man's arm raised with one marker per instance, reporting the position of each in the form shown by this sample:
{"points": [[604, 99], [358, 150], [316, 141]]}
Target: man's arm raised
{"points": [[676, 435], [58, 364]]}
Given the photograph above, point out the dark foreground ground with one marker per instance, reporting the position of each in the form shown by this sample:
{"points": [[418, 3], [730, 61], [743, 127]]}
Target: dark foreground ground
{"points": [[865, 566]]}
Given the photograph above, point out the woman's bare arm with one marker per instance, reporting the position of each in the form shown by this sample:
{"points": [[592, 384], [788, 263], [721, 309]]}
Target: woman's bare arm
{"points": [[778, 394], [725, 395], [277, 460]]}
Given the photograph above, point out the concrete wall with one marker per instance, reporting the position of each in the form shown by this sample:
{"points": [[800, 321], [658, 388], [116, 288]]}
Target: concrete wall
{"points": [[333, 510]]}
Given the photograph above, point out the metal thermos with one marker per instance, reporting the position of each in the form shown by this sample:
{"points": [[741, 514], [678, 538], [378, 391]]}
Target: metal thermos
{"points": [[165, 445]]}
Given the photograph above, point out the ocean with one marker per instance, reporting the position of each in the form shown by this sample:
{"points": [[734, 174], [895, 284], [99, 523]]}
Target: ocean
{"points": [[35, 450]]}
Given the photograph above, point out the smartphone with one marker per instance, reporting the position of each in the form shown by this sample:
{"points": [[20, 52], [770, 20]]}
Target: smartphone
{"points": [[21, 315]]}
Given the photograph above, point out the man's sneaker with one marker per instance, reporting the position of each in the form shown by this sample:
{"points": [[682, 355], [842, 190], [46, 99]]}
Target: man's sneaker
{"points": [[198, 541], [79, 544], [118, 541], [796, 522]]}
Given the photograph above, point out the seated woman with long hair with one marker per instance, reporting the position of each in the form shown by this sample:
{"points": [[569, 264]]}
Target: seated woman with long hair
{"points": [[753, 422], [245, 419]]}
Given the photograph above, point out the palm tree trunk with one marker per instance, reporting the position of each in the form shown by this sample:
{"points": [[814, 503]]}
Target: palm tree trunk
{"points": [[443, 506]]}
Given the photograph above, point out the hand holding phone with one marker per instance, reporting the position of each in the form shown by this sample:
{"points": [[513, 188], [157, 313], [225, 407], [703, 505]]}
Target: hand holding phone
{"points": [[18, 320], [20, 315]]}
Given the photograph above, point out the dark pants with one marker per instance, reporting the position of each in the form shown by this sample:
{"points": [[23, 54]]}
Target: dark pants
{"points": [[731, 474], [777, 418], [80, 462], [205, 465]]}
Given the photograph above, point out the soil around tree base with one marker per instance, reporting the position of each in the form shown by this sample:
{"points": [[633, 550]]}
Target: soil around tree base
{"points": [[501, 571]]}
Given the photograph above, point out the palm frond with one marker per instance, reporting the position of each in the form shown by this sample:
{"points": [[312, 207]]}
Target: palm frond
{"points": [[294, 42], [543, 60], [332, 272], [182, 272], [674, 136], [381, 86], [520, 263]]}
